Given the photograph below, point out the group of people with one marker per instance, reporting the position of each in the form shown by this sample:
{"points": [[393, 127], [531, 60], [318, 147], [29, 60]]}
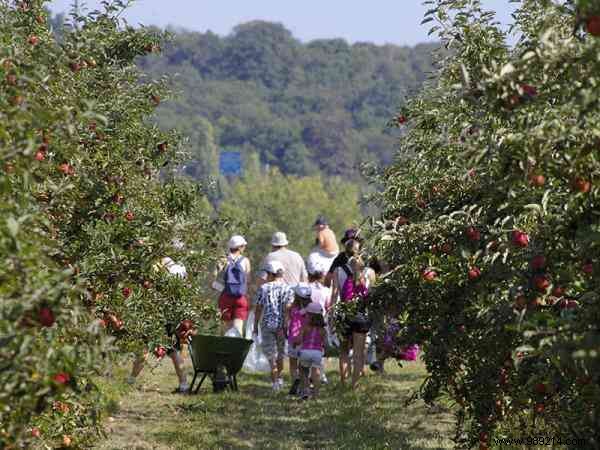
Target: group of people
{"points": [[292, 302], [293, 305]]}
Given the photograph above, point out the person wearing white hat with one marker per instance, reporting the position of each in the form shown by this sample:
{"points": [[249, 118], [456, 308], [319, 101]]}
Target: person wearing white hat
{"points": [[293, 264], [232, 282], [273, 299]]}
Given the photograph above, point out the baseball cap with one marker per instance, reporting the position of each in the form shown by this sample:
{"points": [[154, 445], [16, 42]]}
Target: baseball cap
{"points": [[237, 242], [321, 220], [274, 267], [279, 239], [303, 290], [314, 308]]}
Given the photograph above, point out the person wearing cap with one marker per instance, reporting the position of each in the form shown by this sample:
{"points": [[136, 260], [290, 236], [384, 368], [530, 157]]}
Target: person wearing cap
{"points": [[312, 347], [295, 322], [341, 259], [232, 282], [272, 302], [293, 264]]}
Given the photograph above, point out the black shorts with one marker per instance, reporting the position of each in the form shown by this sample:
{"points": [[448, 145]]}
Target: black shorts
{"points": [[358, 324]]}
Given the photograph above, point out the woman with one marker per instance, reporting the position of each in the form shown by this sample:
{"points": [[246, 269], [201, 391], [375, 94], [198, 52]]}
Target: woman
{"points": [[232, 282], [351, 282]]}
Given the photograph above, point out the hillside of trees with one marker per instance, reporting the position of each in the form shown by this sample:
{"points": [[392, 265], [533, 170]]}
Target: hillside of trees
{"points": [[305, 108]]}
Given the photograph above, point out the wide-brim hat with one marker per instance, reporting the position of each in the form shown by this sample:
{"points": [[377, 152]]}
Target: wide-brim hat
{"points": [[279, 239]]}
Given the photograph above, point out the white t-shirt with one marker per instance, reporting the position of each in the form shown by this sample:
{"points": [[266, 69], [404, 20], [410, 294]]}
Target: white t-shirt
{"points": [[320, 294], [173, 268]]}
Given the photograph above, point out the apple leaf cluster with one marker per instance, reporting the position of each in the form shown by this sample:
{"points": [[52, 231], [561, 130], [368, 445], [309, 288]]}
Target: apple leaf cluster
{"points": [[491, 222]]}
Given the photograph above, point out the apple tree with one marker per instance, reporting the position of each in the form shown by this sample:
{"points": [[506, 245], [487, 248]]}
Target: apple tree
{"points": [[90, 203], [491, 221]]}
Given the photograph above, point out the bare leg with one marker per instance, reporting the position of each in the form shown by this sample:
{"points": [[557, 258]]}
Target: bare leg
{"points": [[358, 357], [273, 364], [305, 371], [238, 324], [138, 364], [294, 369], [280, 368], [315, 375], [177, 364], [344, 361]]}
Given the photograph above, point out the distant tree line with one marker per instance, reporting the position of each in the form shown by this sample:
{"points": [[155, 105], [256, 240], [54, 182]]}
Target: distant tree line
{"points": [[306, 108]]}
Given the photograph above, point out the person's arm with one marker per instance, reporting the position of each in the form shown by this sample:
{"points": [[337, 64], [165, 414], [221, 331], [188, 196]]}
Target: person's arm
{"points": [[323, 337], [321, 240], [334, 288], [257, 314], [304, 273]]}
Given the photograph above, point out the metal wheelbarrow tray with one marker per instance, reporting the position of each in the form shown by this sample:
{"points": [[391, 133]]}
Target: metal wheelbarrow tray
{"points": [[209, 354]]}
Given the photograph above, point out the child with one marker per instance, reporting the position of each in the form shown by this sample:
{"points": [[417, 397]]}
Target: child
{"points": [[319, 293], [273, 297], [312, 348], [296, 320]]}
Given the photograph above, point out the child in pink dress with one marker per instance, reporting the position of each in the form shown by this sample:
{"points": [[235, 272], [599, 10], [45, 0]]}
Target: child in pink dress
{"points": [[296, 320], [312, 347]]}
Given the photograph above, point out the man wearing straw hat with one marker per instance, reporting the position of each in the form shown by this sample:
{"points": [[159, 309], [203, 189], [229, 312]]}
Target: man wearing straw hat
{"points": [[293, 264]]}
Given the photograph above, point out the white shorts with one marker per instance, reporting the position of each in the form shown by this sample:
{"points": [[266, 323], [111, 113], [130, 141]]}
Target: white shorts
{"points": [[311, 358]]}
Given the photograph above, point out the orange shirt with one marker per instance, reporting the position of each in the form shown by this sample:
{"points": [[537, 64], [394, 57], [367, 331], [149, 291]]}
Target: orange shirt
{"points": [[328, 242]]}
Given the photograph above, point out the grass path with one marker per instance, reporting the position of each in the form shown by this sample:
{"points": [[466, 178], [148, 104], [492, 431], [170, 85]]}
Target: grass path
{"points": [[150, 417]]}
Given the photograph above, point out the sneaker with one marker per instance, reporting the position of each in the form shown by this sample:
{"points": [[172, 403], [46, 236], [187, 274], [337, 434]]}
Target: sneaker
{"points": [[324, 379], [376, 366], [181, 389], [295, 386]]}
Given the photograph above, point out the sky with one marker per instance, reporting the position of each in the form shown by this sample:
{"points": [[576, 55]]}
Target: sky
{"points": [[378, 21]]}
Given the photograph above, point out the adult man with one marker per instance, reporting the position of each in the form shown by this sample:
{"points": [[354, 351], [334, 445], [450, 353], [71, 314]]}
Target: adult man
{"points": [[293, 264], [326, 249]]}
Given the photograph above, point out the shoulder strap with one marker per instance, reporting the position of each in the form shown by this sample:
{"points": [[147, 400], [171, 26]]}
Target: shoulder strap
{"points": [[346, 269]]}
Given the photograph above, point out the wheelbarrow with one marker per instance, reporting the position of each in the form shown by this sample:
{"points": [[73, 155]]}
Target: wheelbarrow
{"points": [[217, 355]]}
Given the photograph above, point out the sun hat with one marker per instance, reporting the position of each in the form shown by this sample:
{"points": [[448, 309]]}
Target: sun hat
{"points": [[303, 290], [279, 239], [350, 234], [274, 267], [237, 242], [314, 308], [314, 266], [321, 220]]}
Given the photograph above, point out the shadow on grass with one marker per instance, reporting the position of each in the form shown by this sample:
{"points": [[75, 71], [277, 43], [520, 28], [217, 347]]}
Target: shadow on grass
{"points": [[256, 417]]}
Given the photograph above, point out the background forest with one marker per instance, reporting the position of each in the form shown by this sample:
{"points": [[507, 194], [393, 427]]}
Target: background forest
{"points": [[304, 116]]}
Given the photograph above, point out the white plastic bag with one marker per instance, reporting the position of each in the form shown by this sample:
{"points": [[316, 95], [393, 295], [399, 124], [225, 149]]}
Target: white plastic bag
{"points": [[256, 361], [233, 332]]}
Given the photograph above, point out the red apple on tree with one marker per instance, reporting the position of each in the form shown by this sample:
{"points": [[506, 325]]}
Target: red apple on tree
{"points": [[540, 408], [33, 40], [537, 180], [473, 234], [35, 432], [540, 388], [582, 185], [40, 155], [126, 291], [61, 378], [129, 216], [538, 262], [541, 283], [429, 275], [474, 273], [46, 316], [588, 268], [520, 238], [592, 25], [160, 352]]}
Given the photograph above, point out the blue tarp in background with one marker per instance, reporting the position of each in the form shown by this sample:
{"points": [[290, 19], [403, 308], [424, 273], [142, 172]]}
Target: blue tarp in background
{"points": [[230, 163]]}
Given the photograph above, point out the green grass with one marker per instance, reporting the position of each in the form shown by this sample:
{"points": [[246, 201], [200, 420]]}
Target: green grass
{"points": [[374, 417]]}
